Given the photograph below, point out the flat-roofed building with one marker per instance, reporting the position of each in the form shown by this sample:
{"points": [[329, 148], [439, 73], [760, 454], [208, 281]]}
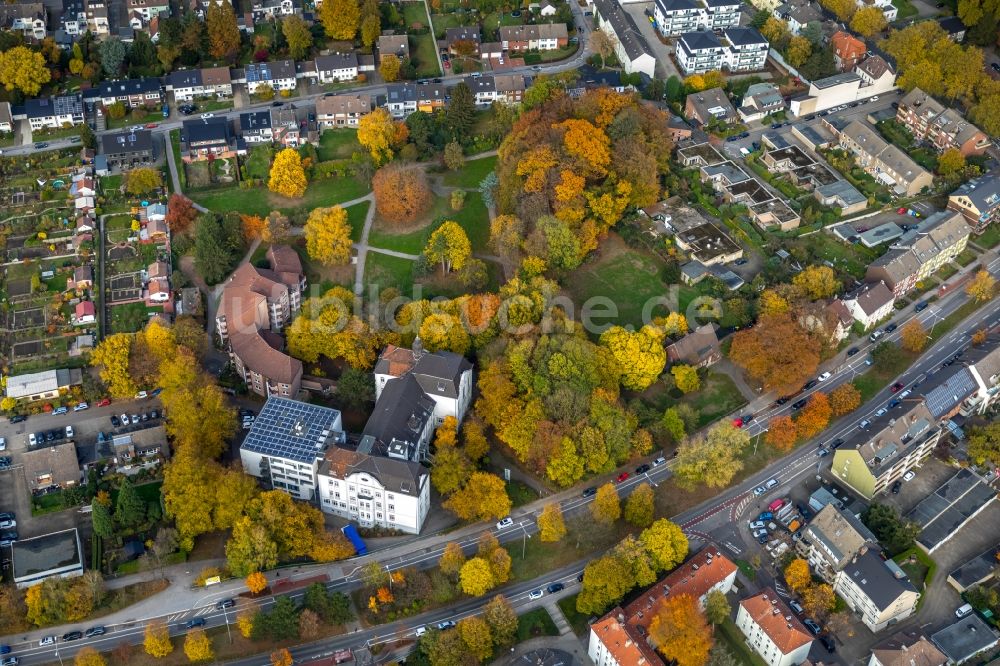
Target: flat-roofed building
{"points": [[58, 554]]}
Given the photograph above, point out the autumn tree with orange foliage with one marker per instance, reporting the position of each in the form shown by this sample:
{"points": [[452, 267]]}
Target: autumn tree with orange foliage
{"points": [[256, 582], [913, 336], [777, 352], [844, 399], [281, 657], [181, 213], [582, 161], [402, 193], [815, 416], [680, 631], [782, 433]]}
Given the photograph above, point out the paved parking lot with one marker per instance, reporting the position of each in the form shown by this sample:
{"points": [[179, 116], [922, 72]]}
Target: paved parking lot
{"points": [[665, 67]]}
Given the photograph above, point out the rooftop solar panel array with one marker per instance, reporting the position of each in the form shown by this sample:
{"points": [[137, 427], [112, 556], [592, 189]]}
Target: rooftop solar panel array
{"points": [[291, 429]]}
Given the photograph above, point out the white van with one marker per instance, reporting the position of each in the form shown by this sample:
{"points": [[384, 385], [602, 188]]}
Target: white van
{"points": [[964, 610]]}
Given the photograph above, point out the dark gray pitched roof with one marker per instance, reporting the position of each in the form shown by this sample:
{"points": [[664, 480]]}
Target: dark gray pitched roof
{"points": [[878, 579], [398, 476], [983, 191], [699, 40], [129, 87], [440, 373], [401, 412], [744, 36], [127, 142], [206, 129], [185, 78]]}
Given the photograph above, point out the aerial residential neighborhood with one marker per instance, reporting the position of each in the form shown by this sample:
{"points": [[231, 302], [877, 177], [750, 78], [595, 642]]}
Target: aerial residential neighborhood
{"points": [[457, 332]]}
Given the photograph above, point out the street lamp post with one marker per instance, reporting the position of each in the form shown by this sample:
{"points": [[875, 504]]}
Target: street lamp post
{"points": [[524, 541], [225, 614], [59, 656]]}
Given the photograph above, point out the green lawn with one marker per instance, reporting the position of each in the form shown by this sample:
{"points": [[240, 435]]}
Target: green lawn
{"points": [[260, 201], [258, 162], [337, 144], [847, 257], [422, 47], [576, 619], [535, 623], [906, 9], [128, 318], [989, 238], [630, 279], [356, 218], [386, 271], [472, 173], [717, 397], [410, 242], [520, 493], [475, 219], [966, 257]]}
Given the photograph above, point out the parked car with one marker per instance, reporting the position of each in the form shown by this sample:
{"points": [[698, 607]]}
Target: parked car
{"points": [[799, 404], [72, 636], [760, 534], [590, 492], [759, 490], [894, 403], [771, 483], [765, 515], [902, 396], [445, 625], [206, 116], [896, 387], [822, 451], [756, 525], [104, 403], [809, 384], [881, 412], [796, 606], [876, 334], [865, 424], [852, 351], [827, 643], [555, 587], [95, 631], [891, 327], [419, 631], [80, 406], [115, 421], [8, 661], [194, 622], [505, 523], [7, 523], [47, 640], [963, 611], [141, 395], [909, 476], [59, 411], [622, 477], [642, 469], [825, 376], [659, 461], [135, 419], [535, 594], [225, 603], [32, 439], [18, 418], [69, 431], [897, 484], [837, 443], [813, 627]]}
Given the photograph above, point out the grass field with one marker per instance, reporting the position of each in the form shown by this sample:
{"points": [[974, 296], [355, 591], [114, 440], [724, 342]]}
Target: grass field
{"points": [[989, 238], [258, 162], [356, 218], [335, 144], [473, 217], [852, 259], [472, 173], [906, 9], [535, 623], [260, 201], [629, 278], [128, 318], [422, 47], [717, 397], [576, 619], [386, 271]]}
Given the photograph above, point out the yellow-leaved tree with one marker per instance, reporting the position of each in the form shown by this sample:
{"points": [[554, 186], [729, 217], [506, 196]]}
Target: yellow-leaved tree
{"points": [[256, 582], [288, 178], [681, 632], [449, 246], [551, 526], [340, 18], [686, 378], [23, 69], [88, 656], [157, 640], [640, 354], [197, 646], [328, 236], [377, 131], [112, 357]]}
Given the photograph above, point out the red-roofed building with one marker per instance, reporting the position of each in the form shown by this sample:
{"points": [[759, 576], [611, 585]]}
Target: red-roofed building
{"points": [[848, 50], [772, 630], [623, 632], [85, 313]]}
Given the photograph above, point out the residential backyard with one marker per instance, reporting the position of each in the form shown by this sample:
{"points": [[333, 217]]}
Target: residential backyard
{"points": [[337, 144], [422, 46]]}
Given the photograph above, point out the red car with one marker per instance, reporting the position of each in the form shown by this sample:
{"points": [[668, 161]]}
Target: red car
{"points": [[152, 125], [901, 211], [738, 422], [104, 403], [622, 476], [895, 388]]}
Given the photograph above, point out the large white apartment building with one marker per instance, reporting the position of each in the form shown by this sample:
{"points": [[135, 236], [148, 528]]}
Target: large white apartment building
{"points": [[675, 17], [738, 50]]}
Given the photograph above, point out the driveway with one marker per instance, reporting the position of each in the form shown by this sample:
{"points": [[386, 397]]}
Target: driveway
{"points": [[664, 65]]}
